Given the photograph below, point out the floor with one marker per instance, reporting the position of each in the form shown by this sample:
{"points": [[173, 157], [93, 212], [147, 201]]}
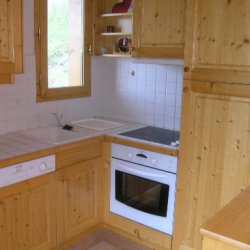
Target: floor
{"points": [[104, 239]]}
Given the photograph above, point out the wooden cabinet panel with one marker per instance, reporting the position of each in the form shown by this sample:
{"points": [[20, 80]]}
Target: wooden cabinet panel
{"points": [[214, 160], [11, 42], [7, 65], [27, 216], [78, 192], [79, 152], [218, 41], [159, 28]]}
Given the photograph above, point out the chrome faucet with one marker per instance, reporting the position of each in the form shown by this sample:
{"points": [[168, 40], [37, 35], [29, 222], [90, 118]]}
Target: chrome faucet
{"points": [[59, 119]]}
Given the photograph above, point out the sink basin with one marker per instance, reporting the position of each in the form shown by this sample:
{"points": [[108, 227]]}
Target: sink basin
{"points": [[96, 124], [57, 135]]}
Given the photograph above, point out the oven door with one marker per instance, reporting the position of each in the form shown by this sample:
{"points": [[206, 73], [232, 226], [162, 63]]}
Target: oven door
{"points": [[143, 194]]}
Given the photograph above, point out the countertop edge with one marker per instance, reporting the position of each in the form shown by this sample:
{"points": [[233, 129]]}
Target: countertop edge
{"points": [[223, 225], [224, 239], [54, 149]]}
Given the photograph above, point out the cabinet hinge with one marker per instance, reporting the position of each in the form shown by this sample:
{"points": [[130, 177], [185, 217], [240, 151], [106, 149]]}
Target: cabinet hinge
{"points": [[39, 34]]}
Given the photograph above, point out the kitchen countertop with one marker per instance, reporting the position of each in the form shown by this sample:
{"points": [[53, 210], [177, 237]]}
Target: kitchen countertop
{"points": [[16, 144], [231, 225]]}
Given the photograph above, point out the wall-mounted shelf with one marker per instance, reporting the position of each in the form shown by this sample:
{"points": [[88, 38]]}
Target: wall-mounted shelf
{"points": [[116, 55], [117, 15], [116, 34], [106, 43]]}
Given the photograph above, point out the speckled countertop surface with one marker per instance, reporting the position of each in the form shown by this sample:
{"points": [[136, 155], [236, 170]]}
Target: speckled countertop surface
{"points": [[21, 143], [16, 144]]}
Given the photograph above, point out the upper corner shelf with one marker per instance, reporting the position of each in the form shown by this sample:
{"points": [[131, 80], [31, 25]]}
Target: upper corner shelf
{"points": [[116, 34], [128, 14]]}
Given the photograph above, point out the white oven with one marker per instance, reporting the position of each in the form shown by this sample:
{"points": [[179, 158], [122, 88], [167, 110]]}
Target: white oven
{"points": [[143, 186]]}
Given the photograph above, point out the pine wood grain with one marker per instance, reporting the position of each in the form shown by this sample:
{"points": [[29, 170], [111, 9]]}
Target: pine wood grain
{"points": [[158, 28], [78, 199], [231, 224], [27, 215], [214, 160], [217, 46]]}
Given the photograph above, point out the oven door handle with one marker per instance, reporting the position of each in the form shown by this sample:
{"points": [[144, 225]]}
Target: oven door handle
{"points": [[142, 173]]}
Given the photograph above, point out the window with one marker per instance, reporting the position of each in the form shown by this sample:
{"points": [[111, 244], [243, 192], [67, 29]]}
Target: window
{"points": [[63, 31]]}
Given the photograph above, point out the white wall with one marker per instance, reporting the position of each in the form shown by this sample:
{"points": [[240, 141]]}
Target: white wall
{"points": [[18, 107], [152, 96]]}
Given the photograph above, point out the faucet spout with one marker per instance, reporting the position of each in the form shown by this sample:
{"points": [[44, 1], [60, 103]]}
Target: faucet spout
{"points": [[59, 118]]}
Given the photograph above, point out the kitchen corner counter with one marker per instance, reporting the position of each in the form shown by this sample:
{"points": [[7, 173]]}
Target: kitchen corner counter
{"points": [[231, 225], [19, 146]]}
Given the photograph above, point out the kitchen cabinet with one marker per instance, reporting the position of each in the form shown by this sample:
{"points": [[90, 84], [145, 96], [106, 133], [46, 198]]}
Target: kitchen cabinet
{"points": [[154, 28], [214, 160], [158, 28], [106, 42], [27, 215], [217, 41], [11, 43], [78, 189]]}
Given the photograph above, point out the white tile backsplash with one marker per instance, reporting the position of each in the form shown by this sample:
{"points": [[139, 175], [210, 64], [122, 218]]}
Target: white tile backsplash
{"points": [[121, 88], [149, 93]]}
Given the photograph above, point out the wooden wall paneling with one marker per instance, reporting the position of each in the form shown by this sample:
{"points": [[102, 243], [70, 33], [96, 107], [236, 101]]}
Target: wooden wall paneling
{"points": [[217, 162], [158, 28], [77, 193], [27, 215], [217, 46]]}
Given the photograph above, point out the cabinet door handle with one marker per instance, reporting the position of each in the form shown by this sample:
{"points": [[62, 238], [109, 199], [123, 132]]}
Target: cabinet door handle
{"points": [[88, 49]]}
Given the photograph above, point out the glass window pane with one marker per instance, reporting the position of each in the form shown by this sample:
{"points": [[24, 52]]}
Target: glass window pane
{"points": [[65, 43]]}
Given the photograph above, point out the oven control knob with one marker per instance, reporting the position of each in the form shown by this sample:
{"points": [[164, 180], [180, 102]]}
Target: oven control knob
{"points": [[130, 155], [43, 167], [153, 161]]}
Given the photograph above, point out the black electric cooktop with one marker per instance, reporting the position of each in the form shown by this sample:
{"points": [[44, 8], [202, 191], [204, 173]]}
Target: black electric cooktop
{"points": [[157, 135]]}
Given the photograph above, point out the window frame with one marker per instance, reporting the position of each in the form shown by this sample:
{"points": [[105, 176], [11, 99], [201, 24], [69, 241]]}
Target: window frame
{"points": [[41, 48]]}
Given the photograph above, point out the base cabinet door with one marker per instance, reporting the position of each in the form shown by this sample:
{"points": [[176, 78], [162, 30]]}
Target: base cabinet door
{"points": [[214, 161], [27, 218], [77, 199]]}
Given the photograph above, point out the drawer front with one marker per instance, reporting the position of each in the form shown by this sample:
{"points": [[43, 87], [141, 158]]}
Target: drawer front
{"points": [[79, 152]]}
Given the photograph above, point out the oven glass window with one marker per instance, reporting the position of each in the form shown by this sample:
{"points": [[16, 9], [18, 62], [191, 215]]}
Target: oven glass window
{"points": [[142, 194]]}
